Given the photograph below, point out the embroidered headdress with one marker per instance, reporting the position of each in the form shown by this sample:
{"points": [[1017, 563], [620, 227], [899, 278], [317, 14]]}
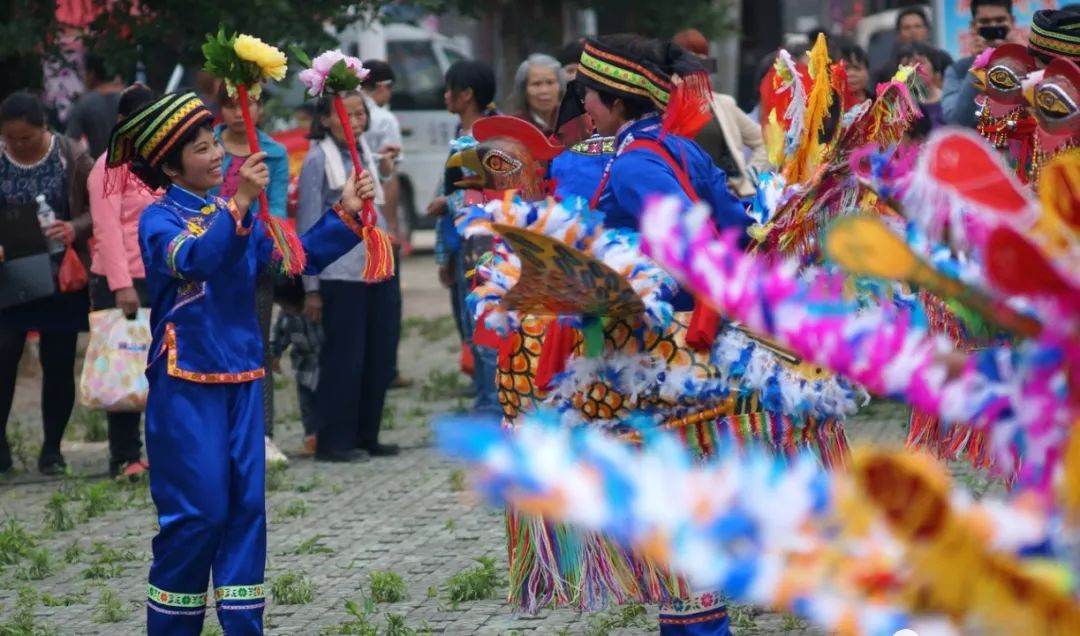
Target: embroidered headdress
{"points": [[1055, 33], [152, 131]]}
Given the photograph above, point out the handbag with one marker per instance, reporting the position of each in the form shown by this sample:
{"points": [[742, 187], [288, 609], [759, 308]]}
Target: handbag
{"points": [[26, 279], [113, 374]]}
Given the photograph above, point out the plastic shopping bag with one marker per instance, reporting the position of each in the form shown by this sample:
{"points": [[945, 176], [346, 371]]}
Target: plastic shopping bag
{"points": [[113, 374]]}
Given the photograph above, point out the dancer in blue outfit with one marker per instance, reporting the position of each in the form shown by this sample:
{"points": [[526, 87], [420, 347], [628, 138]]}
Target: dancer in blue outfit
{"points": [[627, 82], [204, 419]]}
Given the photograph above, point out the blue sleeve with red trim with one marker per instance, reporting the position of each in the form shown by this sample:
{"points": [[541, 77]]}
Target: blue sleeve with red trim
{"points": [[170, 248]]}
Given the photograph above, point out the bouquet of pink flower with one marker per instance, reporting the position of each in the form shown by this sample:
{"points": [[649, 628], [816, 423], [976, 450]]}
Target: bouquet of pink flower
{"points": [[337, 74], [332, 71]]}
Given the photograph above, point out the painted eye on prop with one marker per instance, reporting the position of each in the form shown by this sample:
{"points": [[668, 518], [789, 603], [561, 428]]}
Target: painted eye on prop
{"points": [[1003, 78], [1054, 103], [499, 163]]}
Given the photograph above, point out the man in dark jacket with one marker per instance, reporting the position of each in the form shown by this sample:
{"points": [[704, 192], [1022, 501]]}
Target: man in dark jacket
{"points": [[992, 24]]}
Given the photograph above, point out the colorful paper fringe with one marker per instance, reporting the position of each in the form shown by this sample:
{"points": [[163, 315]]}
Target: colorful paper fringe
{"points": [[1017, 396], [889, 547]]}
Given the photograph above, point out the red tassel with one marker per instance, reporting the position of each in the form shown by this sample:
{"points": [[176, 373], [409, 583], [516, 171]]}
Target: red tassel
{"points": [[704, 325], [379, 264], [688, 108], [557, 347], [288, 250]]}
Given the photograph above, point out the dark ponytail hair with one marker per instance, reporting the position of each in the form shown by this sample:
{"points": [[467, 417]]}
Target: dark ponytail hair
{"points": [[23, 106], [133, 98]]}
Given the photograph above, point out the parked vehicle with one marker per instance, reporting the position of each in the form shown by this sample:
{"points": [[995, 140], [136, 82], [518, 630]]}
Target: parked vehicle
{"points": [[420, 59]]}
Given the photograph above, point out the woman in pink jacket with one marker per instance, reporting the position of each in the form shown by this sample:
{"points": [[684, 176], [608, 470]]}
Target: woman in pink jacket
{"points": [[117, 276]]}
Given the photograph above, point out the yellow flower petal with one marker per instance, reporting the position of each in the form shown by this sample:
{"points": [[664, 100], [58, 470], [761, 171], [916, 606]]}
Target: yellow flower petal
{"points": [[271, 61]]}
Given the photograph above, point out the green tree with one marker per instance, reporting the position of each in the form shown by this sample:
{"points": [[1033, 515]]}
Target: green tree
{"points": [[22, 43], [163, 33]]}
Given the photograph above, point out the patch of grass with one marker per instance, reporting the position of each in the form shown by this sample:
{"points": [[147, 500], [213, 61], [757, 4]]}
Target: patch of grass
{"points": [[92, 424], [389, 417], [475, 584], [57, 517], [396, 626], [21, 621], [387, 587], [109, 563], [312, 546], [627, 616], [441, 384], [429, 329], [73, 552], [15, 542], [456, 480], [110, 609], [295, 508], [359, 625], [432, 591], [66, 600], [336, 489], [292, 588], [213, 629], [451, 525], [18, 444], [792, 623], [742, 616], [312, 483], [98, 498], [36, 567], [102, 571], [277, 477]]}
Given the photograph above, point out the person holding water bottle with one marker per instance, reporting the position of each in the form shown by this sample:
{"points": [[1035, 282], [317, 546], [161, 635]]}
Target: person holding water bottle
{"points": [[47, 171]]}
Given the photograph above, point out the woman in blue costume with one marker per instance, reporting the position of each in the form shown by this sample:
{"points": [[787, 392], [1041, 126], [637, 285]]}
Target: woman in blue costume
{"points": [[204, 415], [627, 83]]}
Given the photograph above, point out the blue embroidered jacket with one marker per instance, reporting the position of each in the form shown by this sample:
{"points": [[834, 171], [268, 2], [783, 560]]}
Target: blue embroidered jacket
{"points": [[200, 270], [577, 170], [638, 174]]}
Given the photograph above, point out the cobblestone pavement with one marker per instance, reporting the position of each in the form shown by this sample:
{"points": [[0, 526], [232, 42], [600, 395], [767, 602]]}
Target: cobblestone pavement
{"points": [[332, 525]]}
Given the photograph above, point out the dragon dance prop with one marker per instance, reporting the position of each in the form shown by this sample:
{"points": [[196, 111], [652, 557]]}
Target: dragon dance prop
{"points": [[1023, 397], [888, 546], [584, 326], [557, 270], [334, 73], [811, 182], [244, 63]]}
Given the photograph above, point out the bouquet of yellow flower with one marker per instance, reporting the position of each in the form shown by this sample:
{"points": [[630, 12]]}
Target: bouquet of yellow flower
{"points": [[244, 63]]}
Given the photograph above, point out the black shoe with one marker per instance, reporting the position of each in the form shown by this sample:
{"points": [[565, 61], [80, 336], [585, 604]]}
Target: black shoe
{"points": [[52, 464], [382, 450], [5, 457], [342, 457]]}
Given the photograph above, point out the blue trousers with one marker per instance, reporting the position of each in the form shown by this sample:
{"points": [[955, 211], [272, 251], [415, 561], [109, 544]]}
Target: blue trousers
{"points": [[205, 442]]}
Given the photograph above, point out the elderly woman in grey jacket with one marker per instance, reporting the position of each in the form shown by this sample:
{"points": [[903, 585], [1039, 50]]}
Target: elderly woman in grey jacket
{"points": [[356, 363]]}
